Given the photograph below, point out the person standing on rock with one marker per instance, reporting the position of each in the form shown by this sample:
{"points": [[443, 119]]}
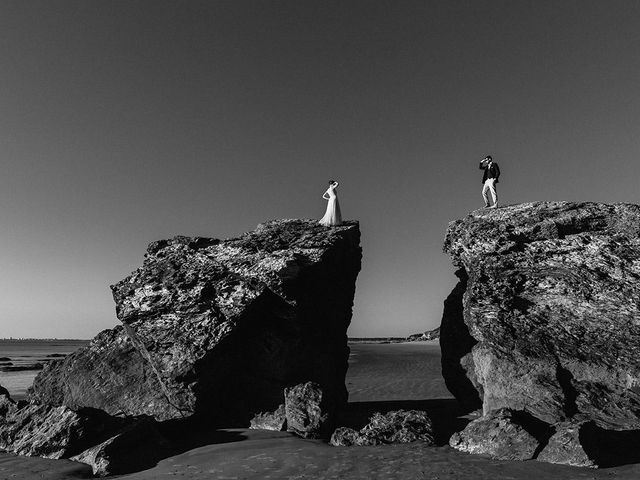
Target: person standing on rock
{"points": [[332, 216], [489, 180]]}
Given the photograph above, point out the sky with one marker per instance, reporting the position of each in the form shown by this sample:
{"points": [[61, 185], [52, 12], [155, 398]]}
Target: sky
{"points": [[125, 122]]}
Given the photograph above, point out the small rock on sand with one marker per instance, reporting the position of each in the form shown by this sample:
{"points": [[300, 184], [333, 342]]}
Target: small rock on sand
{"points": [[503, 434], [400, 426]]}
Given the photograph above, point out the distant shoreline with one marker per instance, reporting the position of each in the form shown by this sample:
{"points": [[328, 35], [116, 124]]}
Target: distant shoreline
{"points": [[67, 340], [386, 340], [75, 340]]}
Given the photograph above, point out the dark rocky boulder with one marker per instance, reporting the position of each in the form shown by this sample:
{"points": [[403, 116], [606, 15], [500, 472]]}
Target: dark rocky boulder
{"points": [[565, 446], [276, 420], [54, 432], [502, 434], [346, 437], [218, 328], [309, 410], [6, 405], [137, 447], [546, 316], [399, 426], [110, 445], [582, 443]]}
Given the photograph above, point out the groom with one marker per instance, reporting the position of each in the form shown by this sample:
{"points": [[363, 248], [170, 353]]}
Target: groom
{"points": [[489, 180]]}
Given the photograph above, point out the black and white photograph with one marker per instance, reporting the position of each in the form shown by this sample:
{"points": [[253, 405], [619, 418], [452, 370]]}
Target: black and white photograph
{"points": [[320, 239]]}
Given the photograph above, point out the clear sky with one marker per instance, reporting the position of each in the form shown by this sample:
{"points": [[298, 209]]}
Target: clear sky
{"points": [[124, 122]]}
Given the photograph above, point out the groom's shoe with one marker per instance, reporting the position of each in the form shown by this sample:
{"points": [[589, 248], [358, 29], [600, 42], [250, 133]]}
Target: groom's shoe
{"points": [[495, 205], [486, 205]]}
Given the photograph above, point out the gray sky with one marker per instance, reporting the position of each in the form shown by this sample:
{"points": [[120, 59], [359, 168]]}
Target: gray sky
{"points": [[125, 122]]}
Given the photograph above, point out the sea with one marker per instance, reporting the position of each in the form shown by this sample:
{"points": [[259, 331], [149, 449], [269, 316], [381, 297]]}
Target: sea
{"points": [[22, 360]]}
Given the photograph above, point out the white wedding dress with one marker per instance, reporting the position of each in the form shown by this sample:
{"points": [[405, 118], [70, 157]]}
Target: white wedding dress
{"points": [[332, 216]]}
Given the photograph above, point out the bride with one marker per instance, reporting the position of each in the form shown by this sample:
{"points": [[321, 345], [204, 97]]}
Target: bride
{"points": [[332, 215]]}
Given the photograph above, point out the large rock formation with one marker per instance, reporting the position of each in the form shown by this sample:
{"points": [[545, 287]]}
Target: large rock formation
{"points": [[546, 316], [219, 328]]}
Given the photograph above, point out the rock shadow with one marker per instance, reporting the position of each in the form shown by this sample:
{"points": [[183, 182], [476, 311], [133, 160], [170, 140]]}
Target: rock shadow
{"points": [[610, 448], [456, 343], [186, 435]]}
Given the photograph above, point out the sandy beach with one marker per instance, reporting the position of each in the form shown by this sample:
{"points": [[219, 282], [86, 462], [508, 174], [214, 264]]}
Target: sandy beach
{"points": [[381, 377]]}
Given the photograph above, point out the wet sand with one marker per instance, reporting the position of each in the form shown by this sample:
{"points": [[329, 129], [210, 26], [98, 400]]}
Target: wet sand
{"points": [[381, 377]]}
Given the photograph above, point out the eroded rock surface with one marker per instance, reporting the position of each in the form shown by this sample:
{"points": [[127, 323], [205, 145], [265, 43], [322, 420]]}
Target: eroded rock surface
{"points": [[219, 328], [399, 426], [582, 443], [276, 420], [309, 410], [110, 445], [54, 432], [346, 437], [565, 446], [546, 317], [502, 434], [213, 331]]}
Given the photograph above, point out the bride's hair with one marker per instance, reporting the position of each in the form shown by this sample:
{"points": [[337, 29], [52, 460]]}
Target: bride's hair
{"points": [[331, 182]]}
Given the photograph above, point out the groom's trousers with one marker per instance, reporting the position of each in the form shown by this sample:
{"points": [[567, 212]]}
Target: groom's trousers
{"points": [[490, 185]]}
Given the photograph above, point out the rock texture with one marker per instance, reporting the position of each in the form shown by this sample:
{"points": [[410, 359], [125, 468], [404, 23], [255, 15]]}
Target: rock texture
{"points": [[109, 444], [503, 434], [54, 432], [582, 443], [276, 420], [212, 330], [347, 437], [565, 446], [400, 426], [219, 328], [309, 410], [546, 316]]}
